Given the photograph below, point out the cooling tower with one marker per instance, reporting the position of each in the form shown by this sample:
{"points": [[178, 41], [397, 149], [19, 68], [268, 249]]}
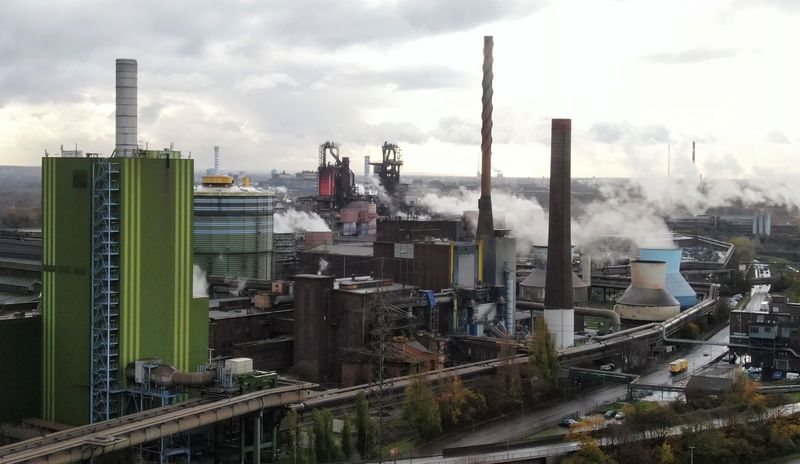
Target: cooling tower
{"points": [[646, 299], [676, 285]]}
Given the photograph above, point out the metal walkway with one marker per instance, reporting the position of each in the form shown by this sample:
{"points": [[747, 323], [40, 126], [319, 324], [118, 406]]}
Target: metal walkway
{"points": [[76, 445]]}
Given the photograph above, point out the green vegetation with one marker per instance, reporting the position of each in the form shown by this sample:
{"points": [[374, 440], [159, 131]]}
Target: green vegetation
{"points": [[744, 251], [740, 427], [347, 437], [544, 358], [507, 378], [366, 437], [325, 446], [420, 408]]}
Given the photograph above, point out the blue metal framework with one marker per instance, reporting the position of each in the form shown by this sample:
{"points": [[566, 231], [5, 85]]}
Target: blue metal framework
{"points": [[105, 290]]}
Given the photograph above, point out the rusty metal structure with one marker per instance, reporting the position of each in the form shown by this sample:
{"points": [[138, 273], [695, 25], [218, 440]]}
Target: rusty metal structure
{"points": [[558, 303]]}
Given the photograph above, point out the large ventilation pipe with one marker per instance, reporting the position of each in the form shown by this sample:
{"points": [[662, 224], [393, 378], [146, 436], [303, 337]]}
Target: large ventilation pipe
{"points": [[613, 318], [558, 304], [127, 108], [485, 230], [167, 376]]}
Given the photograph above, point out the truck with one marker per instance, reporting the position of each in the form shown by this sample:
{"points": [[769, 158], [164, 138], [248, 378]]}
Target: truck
{"points": [[678, 366]]}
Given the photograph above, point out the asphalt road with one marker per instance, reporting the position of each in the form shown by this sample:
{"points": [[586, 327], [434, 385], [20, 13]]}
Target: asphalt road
{"points": [[517, 426]]}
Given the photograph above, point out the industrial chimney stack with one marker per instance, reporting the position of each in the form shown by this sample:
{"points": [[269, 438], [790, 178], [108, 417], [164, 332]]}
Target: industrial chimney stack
{"points": [[127, 108], [216, 159], [559, 313], [485, 221]]}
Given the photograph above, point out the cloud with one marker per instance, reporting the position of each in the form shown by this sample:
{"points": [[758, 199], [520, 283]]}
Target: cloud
{"points": [[692, 56], [608, 132], [777, 136]]}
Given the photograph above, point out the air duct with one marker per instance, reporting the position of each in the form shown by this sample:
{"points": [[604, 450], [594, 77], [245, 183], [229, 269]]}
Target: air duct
{"points": [[558, 302], [675, 284], [646, 299], [127, 109], [167, 376]]}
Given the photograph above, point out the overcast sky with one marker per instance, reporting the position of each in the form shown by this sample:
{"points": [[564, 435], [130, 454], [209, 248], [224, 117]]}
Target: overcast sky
{"points": [[270, 80]]}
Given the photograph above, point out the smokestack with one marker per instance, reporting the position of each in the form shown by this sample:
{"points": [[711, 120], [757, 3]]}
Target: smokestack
{"points": [[366, 166], [693, 152], [216, 159], [127, 108], [559, 312], [485, 222]]}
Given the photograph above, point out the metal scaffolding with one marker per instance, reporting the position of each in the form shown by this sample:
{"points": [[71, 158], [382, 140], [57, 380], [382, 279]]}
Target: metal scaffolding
{"points": [[105, 290]]}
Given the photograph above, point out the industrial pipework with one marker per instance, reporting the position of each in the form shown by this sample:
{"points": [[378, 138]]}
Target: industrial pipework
{"points": [[558, 302], [167, 376], [485, 230], [127, 109]]}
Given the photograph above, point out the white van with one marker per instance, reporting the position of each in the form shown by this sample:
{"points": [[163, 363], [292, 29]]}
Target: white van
{"points": [[792, 376]]}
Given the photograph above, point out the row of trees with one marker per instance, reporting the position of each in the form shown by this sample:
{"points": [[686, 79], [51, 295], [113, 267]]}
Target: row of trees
{"points": [[744, 426], [320, 444]]}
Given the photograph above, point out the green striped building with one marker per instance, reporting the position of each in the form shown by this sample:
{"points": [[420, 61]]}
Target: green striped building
{"points": [[117, 278]]}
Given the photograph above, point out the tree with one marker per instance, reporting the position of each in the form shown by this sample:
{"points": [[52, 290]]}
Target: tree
{"points": [[458, 404], [666, 455], [744, 250], [589, 452], [544, 358], [365, 427], [324, 445], [296, 449], [420, 409], [347, 437]]}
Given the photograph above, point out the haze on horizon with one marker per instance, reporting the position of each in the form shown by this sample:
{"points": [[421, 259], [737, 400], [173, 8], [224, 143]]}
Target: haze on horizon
{"points": [[269, 83]]}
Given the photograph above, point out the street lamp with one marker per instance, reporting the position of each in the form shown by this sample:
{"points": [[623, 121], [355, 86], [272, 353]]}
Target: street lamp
{"points": [[691, 454]]}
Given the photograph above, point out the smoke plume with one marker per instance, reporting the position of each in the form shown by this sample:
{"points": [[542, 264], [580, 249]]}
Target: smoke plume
{"points": [[299, 221], [199, 283]]}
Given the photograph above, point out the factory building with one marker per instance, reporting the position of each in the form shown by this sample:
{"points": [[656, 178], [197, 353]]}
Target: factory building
{"points": [[116, 270], [233, 227], [337, 321], [767, 335]]}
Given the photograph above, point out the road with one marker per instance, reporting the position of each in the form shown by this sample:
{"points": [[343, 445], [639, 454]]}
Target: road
{"points": [[517, 426]]}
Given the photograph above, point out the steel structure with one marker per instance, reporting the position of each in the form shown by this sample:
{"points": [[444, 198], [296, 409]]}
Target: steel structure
{"points": [[105, 290]]}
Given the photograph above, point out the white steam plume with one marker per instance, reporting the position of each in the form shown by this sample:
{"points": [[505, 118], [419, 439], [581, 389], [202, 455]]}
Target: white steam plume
{"points": [[299, 221], [323, 266], [199, 283]]}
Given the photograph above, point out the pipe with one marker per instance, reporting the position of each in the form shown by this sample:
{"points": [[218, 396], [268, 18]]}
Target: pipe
{"points": [[511, 307], [583, 311], [132, 434], [127, 109], [485, 229], [167, 376]]}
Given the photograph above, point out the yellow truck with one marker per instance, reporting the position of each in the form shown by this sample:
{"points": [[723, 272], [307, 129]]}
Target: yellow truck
{"points": [[678, 366]]}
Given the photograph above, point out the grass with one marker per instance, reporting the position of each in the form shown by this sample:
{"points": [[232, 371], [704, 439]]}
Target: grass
{"points": [[548, 433]]}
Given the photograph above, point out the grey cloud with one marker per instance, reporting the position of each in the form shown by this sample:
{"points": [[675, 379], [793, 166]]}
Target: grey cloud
{"points": [[608, 132], [777, 136], [692, 56], [453, 129], [655, 134]]}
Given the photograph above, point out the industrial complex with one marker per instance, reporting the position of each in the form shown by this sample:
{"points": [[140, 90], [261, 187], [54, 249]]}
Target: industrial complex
{"points": [[168, 316]]}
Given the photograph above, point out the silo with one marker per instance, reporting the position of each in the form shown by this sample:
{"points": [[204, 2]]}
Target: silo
{"points": [[646, 299], [676, 285], [233, 229]]}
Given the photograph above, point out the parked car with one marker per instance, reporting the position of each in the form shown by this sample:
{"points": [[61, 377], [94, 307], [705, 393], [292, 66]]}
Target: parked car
{"points": [[610, 414], [620, 416], [607, 367], [645, 392], [567, 423]]}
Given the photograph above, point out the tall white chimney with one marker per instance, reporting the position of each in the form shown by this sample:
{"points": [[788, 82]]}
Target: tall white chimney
{"points": [[127, 108]]}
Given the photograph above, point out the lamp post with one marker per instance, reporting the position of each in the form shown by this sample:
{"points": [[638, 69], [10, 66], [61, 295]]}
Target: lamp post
{"points": [[691, 454]]}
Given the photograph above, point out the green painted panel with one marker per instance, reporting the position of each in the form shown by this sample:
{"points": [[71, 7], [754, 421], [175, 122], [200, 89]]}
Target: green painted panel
{"points": [[66, 301]]}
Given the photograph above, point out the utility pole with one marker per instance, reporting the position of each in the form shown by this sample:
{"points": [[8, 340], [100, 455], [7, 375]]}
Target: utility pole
{"points": [[691, 454]]}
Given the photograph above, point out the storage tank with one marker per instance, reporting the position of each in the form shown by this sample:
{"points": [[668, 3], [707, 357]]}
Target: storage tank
{"points": [[233, 229], [646, 299], [676, 285]]}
